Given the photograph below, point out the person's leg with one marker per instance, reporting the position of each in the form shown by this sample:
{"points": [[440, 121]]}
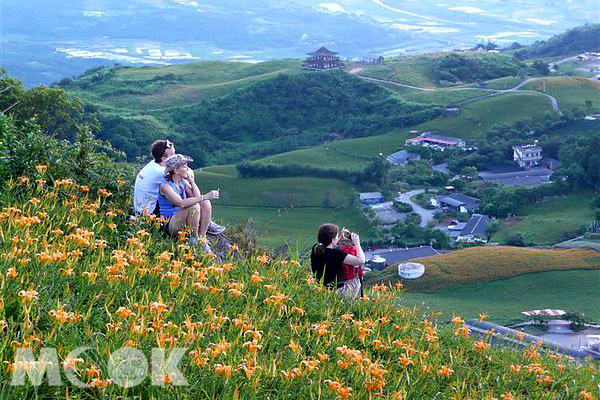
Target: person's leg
{"points": [[205, 217], [193, 218], [185, 216]]}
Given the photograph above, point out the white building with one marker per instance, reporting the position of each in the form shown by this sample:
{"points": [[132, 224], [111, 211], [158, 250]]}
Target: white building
{"points": [[527, 155]]}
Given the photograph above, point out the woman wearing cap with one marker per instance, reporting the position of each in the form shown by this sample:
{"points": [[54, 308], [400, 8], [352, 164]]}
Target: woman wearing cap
{"points": [[182, 203]]}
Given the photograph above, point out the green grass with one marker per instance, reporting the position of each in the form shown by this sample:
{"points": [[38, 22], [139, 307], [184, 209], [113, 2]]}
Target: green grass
{"points": [[503, 300], [504, 83], [410, 71], [191, 82], [477, 117], [443, 96], [283, 209], [345, 154], [570, 92], [272, 192], [550, 222], [276, 226]]}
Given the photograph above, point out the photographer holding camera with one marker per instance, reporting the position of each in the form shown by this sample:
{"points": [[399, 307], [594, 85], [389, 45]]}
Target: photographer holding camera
{"points": [[327, 261]]}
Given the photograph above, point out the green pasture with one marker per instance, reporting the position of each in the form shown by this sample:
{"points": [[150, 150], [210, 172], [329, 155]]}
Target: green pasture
{"points": [[570, 92], [503, 300], [550, 222], [353, 153], [276, 226], [504, 83], [272, 192], [443, 97], [477, 117], [411, 71], [143, 88]]}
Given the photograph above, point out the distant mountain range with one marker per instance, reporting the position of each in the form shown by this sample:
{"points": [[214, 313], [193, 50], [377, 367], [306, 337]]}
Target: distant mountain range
{"points": [[43, 42]]}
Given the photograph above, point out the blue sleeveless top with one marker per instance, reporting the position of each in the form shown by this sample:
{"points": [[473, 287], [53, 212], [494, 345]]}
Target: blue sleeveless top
{"points": [[166, 207]]}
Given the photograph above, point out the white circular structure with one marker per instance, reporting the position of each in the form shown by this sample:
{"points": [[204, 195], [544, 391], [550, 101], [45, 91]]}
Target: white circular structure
{"points": [[411, 270]]}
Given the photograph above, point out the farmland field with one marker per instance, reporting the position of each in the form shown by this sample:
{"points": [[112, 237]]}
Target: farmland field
{"points": [[484, 264], [503, 300], [550, 222]]}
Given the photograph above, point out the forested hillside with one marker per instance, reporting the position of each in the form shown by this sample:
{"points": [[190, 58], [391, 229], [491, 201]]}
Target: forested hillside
{"points": [[270, 116], [574, 41]]}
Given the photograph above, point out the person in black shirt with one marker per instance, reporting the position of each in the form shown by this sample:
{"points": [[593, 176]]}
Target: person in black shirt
{"points": [[327, 260]]}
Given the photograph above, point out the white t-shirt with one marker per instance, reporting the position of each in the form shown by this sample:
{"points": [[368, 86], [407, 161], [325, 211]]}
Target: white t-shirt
{"points": [[147, 185]]}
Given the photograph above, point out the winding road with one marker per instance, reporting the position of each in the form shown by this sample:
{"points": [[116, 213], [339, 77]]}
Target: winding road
{"points": [[426, 215], [495, 92]]}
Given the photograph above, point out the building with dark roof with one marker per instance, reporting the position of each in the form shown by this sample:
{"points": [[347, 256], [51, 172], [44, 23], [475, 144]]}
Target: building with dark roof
{"points": [[395, 256], [322, 59], [430, 139], [476, 229], [403, 157], [456, 201]]}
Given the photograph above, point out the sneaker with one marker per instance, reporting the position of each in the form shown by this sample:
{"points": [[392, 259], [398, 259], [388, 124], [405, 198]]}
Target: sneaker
{"points": [[215, 229]]}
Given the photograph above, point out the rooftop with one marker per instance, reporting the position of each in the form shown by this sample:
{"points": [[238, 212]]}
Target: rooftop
{"points": [[370, 195], [528, 147], [394, 256], [477, 225], [322, 51], [402, 157]]}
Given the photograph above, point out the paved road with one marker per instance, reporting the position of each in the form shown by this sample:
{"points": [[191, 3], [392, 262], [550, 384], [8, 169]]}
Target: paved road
{"points": [[495, 92], [426, 215]]}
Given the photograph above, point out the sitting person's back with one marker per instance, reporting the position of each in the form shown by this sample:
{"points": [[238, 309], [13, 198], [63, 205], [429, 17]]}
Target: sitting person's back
{"points": [[327, 265]]}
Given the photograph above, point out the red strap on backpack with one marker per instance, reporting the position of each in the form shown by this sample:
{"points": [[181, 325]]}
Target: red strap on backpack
{"points": [[349, 271]]}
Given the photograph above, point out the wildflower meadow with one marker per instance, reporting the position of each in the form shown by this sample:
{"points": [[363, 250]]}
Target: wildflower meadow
{"points": [[76, 273]]}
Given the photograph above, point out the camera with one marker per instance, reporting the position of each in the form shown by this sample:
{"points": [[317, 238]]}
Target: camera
{"points": [[346, 234]]}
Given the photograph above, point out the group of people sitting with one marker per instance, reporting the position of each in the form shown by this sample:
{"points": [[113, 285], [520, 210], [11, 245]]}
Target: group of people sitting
{"points": [[166, 187]]}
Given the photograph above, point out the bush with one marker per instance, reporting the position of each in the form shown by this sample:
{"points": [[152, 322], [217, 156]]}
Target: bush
{"points": [[516, 239], [402, 207]]}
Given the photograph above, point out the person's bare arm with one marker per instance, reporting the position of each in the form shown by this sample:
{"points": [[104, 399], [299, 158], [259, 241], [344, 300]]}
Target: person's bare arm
{"points": [[175, 199], [360, 254], [191, 180]]}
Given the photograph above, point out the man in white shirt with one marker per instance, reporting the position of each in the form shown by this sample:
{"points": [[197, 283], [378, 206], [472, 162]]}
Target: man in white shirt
{"points": [[149, 179]]}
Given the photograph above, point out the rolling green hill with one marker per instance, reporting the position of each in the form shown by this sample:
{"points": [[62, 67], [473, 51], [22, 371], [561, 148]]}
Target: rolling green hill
{"points": [[570, 92], [551, 222], [248, 112], [574, 41], [141, 89], [442, 69]]}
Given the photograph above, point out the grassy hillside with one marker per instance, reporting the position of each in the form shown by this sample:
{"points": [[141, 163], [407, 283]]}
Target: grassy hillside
{"points": [[249, 328], [504, 299], [139, 89], [282, 209], [574, 41], [437, 69], [551, 222], [477, 117], [570, 92], [485, 264], [253, 114]]}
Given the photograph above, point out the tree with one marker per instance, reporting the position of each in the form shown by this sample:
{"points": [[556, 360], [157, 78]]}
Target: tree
{"points": [[541, 68]]}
